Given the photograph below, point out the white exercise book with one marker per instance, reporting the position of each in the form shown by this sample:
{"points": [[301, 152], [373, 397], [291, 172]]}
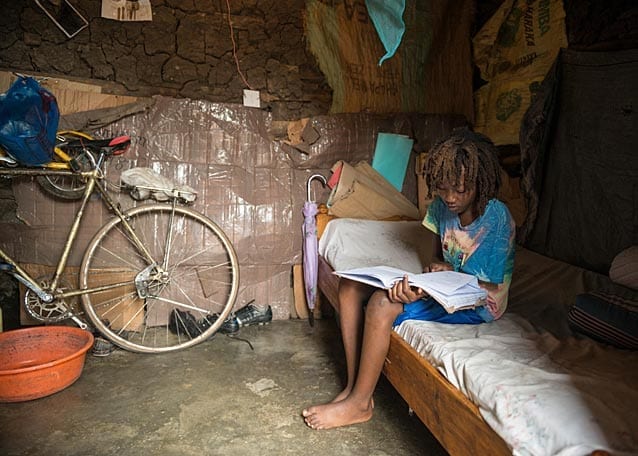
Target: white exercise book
{"points": [[453, 290]]}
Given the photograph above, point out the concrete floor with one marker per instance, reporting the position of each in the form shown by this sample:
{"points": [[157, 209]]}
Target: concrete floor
{"points": [[219, 398]]}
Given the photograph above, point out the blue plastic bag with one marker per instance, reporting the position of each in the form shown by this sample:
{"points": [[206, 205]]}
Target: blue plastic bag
{"points": [[29, 119]]}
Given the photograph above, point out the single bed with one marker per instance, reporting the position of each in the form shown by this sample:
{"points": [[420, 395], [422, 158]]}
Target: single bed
{"points": [[521, 385]]}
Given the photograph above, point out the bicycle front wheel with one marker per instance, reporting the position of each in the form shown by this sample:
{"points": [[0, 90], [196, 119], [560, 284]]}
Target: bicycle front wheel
{"points": [[173, 302]]}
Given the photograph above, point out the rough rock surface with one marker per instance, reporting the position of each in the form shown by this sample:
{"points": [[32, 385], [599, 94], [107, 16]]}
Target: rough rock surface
{"points": [[186, 51]]}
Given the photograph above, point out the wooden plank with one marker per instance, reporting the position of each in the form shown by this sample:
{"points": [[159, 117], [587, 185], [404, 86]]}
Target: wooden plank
{"points": [[448, 414], [299, 292]]}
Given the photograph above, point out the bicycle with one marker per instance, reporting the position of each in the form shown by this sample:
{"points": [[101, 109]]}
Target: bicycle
{"points": [[155, 278]]}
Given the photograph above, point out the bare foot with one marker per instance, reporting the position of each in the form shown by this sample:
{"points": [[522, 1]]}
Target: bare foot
{"points": [[344, 394], [336, 414]]}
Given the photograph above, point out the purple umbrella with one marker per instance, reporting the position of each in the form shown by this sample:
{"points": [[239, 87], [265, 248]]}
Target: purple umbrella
{"points": [[310, 247]]}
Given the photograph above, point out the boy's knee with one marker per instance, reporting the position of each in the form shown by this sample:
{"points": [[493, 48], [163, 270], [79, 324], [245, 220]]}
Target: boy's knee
{"points": [[378, 298], [380, 306]]}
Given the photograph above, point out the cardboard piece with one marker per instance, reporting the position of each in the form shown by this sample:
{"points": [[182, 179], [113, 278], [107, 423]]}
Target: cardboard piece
{"points": [[74, 96], [365, 194], [302, 135], [130, 311]]}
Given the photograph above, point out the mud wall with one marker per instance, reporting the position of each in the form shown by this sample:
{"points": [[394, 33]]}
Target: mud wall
{"points": [[185, 51]]}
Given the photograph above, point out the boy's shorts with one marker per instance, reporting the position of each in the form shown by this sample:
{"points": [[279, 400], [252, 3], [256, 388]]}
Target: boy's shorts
{"points": [[430, 310]]}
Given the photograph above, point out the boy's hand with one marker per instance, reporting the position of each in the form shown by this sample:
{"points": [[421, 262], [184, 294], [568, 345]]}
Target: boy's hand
{"points": [[436, 266], [402, 292]]}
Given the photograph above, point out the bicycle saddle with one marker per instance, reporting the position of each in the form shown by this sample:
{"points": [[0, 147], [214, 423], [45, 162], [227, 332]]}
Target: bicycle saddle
{"points": [[110, 146]]}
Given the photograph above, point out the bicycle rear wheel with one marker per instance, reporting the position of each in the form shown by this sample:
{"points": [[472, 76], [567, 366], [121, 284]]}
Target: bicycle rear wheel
{"points": [[68, 187], [174, 303], [64, 187]]}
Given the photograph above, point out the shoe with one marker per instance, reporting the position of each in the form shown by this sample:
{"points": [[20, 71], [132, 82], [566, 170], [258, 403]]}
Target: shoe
{"points": [[250, 314], [102, 347], [183, 323], [230, 325]]}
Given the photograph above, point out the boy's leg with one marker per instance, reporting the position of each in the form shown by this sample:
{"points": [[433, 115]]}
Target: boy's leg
{"points": [[357, 406], [352, 298], [379, 320]]}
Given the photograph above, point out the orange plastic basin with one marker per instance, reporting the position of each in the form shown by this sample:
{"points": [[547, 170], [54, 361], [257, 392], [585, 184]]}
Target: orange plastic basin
{"points": [[39, 361]]}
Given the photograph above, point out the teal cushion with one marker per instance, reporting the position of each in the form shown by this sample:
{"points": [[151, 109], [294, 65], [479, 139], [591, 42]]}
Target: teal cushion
{"points": [[606, 318]]}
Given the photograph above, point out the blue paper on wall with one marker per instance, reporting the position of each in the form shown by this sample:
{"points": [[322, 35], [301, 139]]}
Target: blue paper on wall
{"points": [[391, 156]]}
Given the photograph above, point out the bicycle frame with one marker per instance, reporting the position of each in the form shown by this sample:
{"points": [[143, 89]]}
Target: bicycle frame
{"points": [[93, 179]]}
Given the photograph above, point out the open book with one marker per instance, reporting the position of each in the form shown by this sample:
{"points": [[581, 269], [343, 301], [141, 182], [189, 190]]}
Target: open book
{"points": [[453, 290]]}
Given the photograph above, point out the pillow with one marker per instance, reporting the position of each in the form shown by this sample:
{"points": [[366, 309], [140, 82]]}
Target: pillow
{"points": [[606, 318], [624, 268]]}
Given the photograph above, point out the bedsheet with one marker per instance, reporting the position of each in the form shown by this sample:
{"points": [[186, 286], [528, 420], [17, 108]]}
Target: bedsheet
{"points": [[353, 243], [543, 395]]}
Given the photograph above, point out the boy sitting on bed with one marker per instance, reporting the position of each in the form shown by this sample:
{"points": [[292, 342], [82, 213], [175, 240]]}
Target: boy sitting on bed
{"points": [[475, 235]]}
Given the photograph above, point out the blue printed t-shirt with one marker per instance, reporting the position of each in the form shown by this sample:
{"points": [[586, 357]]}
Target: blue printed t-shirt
{"points": [[484, 248]]}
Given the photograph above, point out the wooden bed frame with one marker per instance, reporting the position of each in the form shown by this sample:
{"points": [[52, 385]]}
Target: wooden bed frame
{"points": [[448, 414]]}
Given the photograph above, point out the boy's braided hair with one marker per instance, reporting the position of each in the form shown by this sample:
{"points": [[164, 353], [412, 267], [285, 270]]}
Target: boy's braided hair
{"points": [[465, 151]]}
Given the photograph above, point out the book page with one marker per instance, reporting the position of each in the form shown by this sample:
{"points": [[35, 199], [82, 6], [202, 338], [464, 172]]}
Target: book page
{"points": [[378, 276], [446, 282]]}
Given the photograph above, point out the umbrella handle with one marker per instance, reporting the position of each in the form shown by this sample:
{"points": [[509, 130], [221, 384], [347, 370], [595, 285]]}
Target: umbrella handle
{"points": [[309, 184]]}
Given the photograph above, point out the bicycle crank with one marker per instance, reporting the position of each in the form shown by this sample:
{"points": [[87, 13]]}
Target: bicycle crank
{"points": [[50, 311]]}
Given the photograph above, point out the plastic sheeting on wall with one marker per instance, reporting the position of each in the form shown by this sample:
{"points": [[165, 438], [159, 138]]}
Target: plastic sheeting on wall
{"points": [[252, 186]]}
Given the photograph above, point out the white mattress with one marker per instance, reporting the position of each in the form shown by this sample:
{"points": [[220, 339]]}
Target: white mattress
{"points": [[542, 395]]}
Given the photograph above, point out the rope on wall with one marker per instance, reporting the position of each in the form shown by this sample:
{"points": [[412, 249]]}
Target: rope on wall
{"points": [[232, 37]]}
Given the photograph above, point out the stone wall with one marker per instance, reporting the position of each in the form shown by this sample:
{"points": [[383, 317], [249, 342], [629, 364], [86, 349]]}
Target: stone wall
{"points": [[186, 51]]}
